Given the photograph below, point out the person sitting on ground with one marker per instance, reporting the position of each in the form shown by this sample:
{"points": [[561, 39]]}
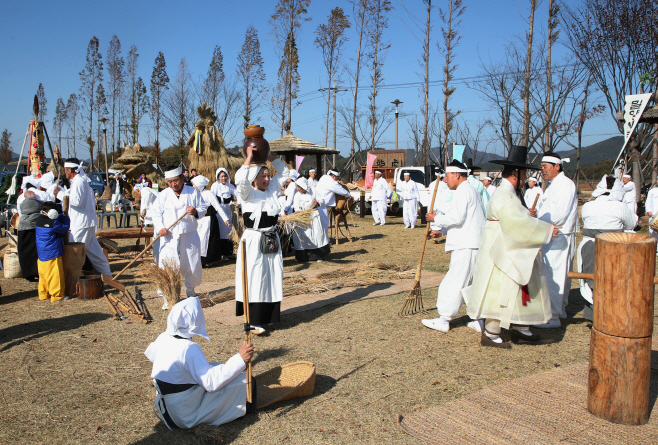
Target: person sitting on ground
{"points": [[51, 228], [191, 391]]}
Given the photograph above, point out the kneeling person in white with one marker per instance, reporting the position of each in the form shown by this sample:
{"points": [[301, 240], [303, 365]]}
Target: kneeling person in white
{"points": [[464, 222], [191, 391], [180, 244], [379, 195]]}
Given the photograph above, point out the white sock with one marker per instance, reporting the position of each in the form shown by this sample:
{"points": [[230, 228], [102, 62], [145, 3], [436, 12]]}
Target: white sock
{"points": [[494, 338]]}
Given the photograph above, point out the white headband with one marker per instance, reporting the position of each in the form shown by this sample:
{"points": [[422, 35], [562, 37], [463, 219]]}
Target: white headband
{"points": [[407, 174], [377, 171], [71, 165], [627, 176], [554, 160], [173, 173], [453, 169], [332, 172], [488, 179], [311, 170], [532, 179]]}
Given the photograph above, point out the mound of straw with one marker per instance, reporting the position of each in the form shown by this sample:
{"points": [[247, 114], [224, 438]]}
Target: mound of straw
{"points": [[302, 219], [167, 279]]}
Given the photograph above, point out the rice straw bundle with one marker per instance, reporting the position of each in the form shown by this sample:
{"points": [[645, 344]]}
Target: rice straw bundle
{"points": [[167, 279], [238, 227], [302, 219]]}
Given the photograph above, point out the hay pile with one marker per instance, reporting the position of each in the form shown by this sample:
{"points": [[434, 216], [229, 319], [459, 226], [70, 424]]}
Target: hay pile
{"points": [[167, 279], [133, 162], [213, 153]]}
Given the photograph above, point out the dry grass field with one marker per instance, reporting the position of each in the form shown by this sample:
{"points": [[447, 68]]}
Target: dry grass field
{"points": [[71, 374]]}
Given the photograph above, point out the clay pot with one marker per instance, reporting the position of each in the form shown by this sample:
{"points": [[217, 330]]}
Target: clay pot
{"points": [[254, 137]]}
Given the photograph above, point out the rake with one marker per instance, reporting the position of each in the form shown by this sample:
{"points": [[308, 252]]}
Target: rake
{"points": [[413, 304]]}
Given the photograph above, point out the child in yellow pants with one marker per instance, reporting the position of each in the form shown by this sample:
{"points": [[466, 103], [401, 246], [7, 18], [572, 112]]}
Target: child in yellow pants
{"points": [[51, 227]]}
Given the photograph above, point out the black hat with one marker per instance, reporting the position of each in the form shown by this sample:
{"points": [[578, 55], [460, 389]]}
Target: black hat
{"points": [[517, 157], [469, 164]]}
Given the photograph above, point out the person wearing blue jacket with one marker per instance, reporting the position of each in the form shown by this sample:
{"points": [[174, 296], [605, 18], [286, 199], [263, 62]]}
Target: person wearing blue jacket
{"points": [[51, 228]]}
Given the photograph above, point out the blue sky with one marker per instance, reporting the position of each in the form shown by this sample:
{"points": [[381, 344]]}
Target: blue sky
{"points": [[46, 41]]}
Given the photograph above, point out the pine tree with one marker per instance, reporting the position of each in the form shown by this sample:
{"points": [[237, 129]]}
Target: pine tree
{"points": [[250, 73], [5, 147], [90, 77], [115, 84], [141, 107], [159, 84], [212, 84]]}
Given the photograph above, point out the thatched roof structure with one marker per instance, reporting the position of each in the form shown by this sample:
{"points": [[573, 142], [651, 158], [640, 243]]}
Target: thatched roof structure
{"points": [[290, 146], [133, 162]]}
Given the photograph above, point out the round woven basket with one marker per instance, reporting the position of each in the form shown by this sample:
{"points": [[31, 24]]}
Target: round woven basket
{"points": [[284, 383]]}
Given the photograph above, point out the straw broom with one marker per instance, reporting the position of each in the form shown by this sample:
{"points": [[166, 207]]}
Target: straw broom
{"points": [[414, 301], [167, 279]]}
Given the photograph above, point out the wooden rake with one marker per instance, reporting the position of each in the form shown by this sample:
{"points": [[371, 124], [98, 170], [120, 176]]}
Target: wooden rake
{"points": [[413, 304]]}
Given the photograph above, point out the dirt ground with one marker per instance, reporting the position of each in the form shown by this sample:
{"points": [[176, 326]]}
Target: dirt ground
{"points": [[71, 374]]}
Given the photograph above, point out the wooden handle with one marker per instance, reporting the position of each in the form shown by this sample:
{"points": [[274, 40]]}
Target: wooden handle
{"points": [[245, 306], [427, 229], [590, 276], [534, 205], [147, 248]]}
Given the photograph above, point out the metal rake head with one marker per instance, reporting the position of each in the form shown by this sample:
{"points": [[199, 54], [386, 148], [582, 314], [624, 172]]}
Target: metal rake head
{"points": [[413, 304]]}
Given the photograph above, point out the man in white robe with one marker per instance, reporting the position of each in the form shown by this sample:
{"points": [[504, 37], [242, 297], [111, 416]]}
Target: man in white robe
{"points": [[82, 212], [630, 194], [604, 214], [147, 197], [408, 191], [477, 185], [558, 206], [326, 190], [509, 287], [181, 243], [291, 189], [488, 185], [651, 208], [532, 192], [379, 194], [312, 182], [464, 222], [189, 390]]}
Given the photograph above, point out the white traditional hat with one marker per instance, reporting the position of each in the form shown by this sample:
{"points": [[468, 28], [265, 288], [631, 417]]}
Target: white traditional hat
{"points": [[200, 182], [303, 183], [173, 173], [294, 174], [47, 180], [187, 320]]}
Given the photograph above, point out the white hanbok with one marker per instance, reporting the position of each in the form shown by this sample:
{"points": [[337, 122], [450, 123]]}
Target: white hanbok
{"points": [[260, 211], [182, 243], [379, 194], [225, 195], [217, 392], [491, 189], [149, 196], [408, 190], [630, 195], [326, 189], [464, 222], [559, 206], [311, 240], [204, 223], [482, 191], [531, 194]]}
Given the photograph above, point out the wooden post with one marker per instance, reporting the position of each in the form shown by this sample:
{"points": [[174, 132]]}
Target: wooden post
{"points": [[620, 347], [318, 168]]}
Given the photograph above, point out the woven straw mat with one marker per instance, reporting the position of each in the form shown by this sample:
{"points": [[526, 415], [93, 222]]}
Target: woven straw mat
{"points": [[546, 408]]}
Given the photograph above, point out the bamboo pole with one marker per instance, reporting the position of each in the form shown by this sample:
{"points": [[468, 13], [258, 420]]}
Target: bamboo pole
{"points": [[245, 305]]}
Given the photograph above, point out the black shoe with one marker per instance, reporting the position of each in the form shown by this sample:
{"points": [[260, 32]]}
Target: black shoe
{"points": [[486, 341], [518, 336]]}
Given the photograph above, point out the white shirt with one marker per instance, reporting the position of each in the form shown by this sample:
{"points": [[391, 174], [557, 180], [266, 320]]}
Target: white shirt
{"points": [[211, 199], [304, 201], [490, 189], [465, 220], [380, 190], [312, 183], [291, 190], [605, 213], [408, 190], [169, 207], [256, 201], [82, 205], [327, 188], [146, 203], [629, 193], [531, 194], [651, 204], [559, 204]]}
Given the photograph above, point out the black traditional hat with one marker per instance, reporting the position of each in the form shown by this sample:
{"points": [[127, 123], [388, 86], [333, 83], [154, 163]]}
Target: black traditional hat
{"points": [[469, 164], [517, 157]]}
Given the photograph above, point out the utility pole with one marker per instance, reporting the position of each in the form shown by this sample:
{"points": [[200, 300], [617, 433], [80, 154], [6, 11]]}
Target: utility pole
{"points": [[333, 164], [396, 102]]}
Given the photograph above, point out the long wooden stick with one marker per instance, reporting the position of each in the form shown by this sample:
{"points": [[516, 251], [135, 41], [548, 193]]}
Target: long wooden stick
{"points": [[427, 229], [534, 205], [147, 247], [245, 305]]}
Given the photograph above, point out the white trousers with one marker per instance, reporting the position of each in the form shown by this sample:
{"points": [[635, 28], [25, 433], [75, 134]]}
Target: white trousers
{"points": [[379, 211], [410, 212], [115, 199], [459, 276], [557, 262], [93, 248], [186, 252]]}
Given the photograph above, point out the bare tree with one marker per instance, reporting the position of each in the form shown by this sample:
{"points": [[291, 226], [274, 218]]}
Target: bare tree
{"points": [[90, 77], [179, 116], [472, 134], [115, 67], [526, 87], [101, 107], [60, 119], [138, 99], [451, 39], [330, 39], [421, 135], [72, 108], [250, 73], [41, 97], [159, 85], [228, 112]]}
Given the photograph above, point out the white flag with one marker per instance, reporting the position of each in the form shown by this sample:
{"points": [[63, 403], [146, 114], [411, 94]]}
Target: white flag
{"points": [[633, 109]]}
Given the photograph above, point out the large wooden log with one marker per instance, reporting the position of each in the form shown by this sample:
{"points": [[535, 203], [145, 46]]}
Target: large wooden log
{"points": [[130, 233], [619, 378], [624, 268], [74, 259]]}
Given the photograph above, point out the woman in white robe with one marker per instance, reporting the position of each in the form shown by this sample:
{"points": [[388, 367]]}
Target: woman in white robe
{"points": [[311, 242], [189, 390], [208, 226], [226, 194], [260, 210]]}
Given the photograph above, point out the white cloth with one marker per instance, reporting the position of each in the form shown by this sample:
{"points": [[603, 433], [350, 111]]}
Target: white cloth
{"points": [[479, 188], [220, 392], [380, 190], [326, 189], [651, 205], [204, 223], [531, 194], [224, 214], [291, 191], [559, 206], [146, 203], [314, 236], [509, 259], [264, 272], [379, 211], [82, 205], [460, 274], [408, 191], [465, 220], [491, 189], [182, 243], [87, 235], [630, 195]]}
